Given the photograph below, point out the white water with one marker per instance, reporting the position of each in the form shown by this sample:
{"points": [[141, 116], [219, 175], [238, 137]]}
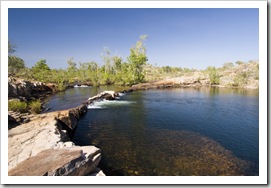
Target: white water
{"points": [[106, 103], [81, 86], [103, 104]]}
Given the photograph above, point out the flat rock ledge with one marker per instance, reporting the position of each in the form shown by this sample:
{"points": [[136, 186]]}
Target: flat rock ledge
{"points": [[43, 147]]}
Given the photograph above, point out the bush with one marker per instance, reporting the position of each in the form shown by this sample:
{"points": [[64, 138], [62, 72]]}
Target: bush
{"points": [[35, 106], [213, 75], [17, 106], [241, 79]]}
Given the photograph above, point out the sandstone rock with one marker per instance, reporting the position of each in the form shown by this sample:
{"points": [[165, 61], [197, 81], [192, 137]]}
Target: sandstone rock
{"points": [[62, 162], [31, 138], [108, 95], [26, 90], [43, 146], [68, 119], [17, 118]]}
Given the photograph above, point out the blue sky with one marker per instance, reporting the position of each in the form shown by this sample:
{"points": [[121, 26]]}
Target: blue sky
{"points": [[193, 38]]}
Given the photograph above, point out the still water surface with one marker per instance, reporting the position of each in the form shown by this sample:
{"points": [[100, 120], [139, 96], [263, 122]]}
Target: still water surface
{"points": [[181, 131]]}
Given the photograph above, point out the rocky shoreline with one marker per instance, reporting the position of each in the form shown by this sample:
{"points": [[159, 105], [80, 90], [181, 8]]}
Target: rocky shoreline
{"points": [[41, 144], [28, 90], [43, 147]]}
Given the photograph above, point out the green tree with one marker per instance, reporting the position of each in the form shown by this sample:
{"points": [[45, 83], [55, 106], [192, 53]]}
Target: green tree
{"points": [[41, 71], [239, 62], [138, 60], [241, 79], [228, 65], [107, 67], [71, 70], [167, 69], [59, 76], [126, 77], [117, 69], [15, 65], [94, 73], [83, 72], [213, 75]]}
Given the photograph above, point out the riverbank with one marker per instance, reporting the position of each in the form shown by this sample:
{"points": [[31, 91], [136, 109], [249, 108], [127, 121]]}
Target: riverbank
{"points": [[181, 83], [46, 138]]}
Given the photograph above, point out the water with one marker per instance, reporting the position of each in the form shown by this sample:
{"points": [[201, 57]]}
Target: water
{"points": [[73, 97], [184, 131]]}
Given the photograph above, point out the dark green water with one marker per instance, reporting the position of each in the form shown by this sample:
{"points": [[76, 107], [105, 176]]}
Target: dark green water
{"points": [[184, 131]]}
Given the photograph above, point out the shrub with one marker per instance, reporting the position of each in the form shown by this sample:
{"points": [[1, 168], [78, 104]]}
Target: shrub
{"points": [[17, 106], [61, 85], [241, 79], [35, 106], [213, 75]]}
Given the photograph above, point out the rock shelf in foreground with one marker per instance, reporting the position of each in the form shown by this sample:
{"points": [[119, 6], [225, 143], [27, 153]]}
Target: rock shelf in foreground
{"points": [[43, 147]]}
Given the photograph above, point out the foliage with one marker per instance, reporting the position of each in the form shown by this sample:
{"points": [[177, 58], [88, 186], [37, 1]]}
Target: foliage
{"points": [[240, 79], [213, 75], [17, 106], [228, 65], [15, 64], [115, 70], [167, 69], [35, 106], [239, 62], [137, 60], [11, 47], [41, 71], [71, 70]]}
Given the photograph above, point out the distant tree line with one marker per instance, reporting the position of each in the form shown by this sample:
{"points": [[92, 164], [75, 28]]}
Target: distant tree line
{"points": [[116, 70], [113, 71]]}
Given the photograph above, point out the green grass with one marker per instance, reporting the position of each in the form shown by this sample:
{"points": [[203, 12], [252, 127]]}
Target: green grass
{"points": [[17, 106], [35, 106]]}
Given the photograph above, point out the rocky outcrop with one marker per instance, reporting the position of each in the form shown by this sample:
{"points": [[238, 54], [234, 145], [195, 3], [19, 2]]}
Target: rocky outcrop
{"points": [[26, 90], [74, 161], [43, 147], [17, 118], [169, 83], [244, 75], [68, 119], [107, 95]]}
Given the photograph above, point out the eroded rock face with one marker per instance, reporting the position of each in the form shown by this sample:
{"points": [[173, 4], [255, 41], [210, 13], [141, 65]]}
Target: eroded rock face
{"points": [[107, 95], [31, 138], [43, 147], [73, 161], [26, 90], [68, 119]]}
